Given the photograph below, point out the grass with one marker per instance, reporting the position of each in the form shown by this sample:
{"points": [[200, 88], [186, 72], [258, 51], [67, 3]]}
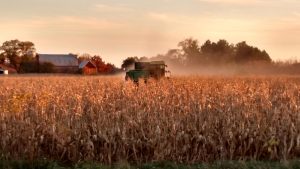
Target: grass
{"points": [[294, 164]]}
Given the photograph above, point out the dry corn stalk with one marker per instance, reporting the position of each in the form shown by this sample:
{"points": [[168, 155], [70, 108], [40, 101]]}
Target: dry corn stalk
{"points": [[185, 119]]}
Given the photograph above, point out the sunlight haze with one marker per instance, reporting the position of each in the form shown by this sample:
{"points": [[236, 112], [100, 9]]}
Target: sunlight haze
{"points": [[117, 29]]}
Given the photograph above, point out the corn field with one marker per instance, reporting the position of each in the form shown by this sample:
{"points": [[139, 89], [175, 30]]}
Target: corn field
{"points": [[183, 119]]}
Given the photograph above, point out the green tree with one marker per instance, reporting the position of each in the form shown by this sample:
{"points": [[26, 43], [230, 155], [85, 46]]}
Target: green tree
{"points": [[16, 51], [191, 51], [2, 58], [218, 53], [128, 62], [173, 58], [28, 64], [245, 54]]}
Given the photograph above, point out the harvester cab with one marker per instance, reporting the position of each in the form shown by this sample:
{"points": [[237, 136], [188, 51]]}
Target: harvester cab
{"points": [[146, 70]]}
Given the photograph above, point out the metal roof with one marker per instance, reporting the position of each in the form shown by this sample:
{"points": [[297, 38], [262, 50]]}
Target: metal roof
{"points": [[157, 63], [59, 60], [84, 63]]}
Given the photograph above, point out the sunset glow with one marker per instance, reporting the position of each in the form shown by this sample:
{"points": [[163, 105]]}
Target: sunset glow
{"points": [[118, 29]]}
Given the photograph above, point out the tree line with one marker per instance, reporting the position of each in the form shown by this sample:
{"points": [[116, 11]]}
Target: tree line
{"points": [[21, 55], [102, 66], [190, 53], [18, 54]]}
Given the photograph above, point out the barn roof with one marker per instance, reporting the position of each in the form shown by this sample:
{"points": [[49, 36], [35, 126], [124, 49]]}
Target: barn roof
{"points": [[59, 60], [84, 63]]}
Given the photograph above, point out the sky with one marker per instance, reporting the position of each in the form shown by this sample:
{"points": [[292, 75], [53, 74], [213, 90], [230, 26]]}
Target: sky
{"points": [[116, 29]]}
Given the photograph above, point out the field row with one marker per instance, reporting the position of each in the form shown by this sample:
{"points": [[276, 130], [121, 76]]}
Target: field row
{"points": [[183, 119]]}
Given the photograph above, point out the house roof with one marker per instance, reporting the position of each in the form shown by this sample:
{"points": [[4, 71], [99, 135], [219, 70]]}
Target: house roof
{"points": [[59, 60], [6, 67], [84, 63]]}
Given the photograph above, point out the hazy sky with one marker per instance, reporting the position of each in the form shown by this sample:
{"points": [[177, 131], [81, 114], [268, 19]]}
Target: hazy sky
{"points": [[116, 29]]}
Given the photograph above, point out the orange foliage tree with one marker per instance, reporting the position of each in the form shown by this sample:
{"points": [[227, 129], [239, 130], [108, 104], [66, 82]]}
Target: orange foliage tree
{"points": [[102, 66]]}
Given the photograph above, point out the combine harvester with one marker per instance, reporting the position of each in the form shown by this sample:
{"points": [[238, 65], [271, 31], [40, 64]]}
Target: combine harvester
{"points": [[147, 70]]}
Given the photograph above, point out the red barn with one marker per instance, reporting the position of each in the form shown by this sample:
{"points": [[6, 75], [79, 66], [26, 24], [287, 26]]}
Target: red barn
{"points": [[88, 68], [10, 69]]}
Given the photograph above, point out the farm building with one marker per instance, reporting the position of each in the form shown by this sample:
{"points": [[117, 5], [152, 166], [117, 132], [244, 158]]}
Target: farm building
{"points": [[88, 68], [6, 69], [62, 63], [2, 71]]}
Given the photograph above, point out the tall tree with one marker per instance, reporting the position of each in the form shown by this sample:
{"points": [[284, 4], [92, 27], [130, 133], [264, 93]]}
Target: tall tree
{"points": [[218, 53], [128, 62], [110, 68], [100, 64], [16, 51], [84, 57], [2, 58], [191, 51], [246, 54]]}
